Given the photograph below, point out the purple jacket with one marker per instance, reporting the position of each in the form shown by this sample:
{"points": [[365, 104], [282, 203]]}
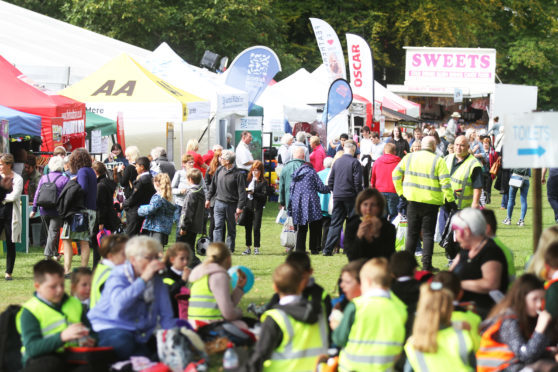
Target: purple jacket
{"points": [[122, 305], [60, 182], [88, 181]]}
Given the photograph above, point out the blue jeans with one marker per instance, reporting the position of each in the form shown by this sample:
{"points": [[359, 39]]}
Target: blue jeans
{"points": [[392, 200], [342, 209], [505, 199], [524, 190], [225, 213], [124, 343]]}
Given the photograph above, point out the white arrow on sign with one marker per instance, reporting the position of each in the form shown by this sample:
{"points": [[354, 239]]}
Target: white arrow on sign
{"points": [[530, 140]]}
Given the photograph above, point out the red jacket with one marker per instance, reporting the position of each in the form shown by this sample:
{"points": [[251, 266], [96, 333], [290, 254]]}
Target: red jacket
{"points": [[381, 173]]}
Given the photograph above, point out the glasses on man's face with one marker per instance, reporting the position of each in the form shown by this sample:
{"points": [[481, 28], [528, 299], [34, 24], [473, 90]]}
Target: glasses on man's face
{"points": [[151, 257]]}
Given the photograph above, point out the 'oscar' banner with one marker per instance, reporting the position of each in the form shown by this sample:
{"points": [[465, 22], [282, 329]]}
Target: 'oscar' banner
{"points": [[361, 67], [330, 49], [252, 70]]}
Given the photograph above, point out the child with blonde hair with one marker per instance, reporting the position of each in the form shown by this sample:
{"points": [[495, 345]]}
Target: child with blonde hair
{"points": [[435, 345], [372, 330], [159, 213], [211, 297], [177, 259]]}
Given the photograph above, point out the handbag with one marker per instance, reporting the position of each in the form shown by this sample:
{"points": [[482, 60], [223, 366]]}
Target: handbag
{"points": [[495, 168], [79, 222], [448, 242], [246, 217], [516, 180]]}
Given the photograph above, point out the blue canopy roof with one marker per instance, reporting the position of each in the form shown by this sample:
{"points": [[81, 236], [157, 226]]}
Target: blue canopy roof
{"points": [[21, 123]]}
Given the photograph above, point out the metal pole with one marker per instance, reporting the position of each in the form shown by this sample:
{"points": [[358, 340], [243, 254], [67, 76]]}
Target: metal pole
{"points": [[537, 207]]}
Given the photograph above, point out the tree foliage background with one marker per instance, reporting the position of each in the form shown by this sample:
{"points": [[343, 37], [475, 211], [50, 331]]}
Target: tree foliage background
{"points": [[524, 32]]}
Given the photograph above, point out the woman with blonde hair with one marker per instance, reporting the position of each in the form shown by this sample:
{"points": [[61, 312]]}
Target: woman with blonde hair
{"points": [[192, 148], [435, 345], [536, 263], [211, 296], [159, 213]]}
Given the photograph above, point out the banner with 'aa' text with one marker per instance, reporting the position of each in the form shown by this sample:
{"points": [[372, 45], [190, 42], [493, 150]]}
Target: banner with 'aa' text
{"points": [[252, 70], [330, 49], [361, 67]]}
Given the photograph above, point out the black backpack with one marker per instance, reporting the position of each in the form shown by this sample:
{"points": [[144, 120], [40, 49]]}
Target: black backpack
{"points": [[10, 340], [48, 194]]}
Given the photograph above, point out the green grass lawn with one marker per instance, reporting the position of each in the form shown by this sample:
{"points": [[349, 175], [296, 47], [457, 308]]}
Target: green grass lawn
{"points": [[326, 269]]}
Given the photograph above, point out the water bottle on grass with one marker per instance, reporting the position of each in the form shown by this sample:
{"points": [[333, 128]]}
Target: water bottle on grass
{"points": [[230, 359]]}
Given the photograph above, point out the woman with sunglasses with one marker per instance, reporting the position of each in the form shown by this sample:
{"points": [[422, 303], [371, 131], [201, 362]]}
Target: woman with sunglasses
{"points": [[480, 264]]}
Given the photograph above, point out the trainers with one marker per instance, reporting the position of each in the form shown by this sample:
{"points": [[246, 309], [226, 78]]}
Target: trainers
{"points": [[247, 251], [506, 221], [520, 223], [418, 253], [256, 250]]}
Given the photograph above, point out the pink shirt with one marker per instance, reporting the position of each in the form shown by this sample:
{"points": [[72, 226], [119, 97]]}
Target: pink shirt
{"points": [[317, 158]]}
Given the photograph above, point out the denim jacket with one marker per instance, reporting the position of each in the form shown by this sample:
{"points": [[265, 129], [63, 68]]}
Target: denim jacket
{"points": [[159, 214]]}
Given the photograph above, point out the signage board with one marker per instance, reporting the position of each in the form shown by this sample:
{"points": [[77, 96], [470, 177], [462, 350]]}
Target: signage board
{"points": [[529, 140], [461, 67]]}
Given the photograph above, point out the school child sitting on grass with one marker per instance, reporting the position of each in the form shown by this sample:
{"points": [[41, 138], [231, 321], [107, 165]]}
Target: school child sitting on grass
{"points": [[435, 345], [113, 254], [291, 337], [372, 330], [51, 320], [176, 275], [81, 285], [463, 316], [313, 292]]}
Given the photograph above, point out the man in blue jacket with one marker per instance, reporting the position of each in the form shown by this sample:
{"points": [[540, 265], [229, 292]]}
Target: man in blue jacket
{"points": [[345, 180]]}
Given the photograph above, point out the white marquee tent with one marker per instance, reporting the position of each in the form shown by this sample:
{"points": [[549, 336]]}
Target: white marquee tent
{"points": [[54, 53]]}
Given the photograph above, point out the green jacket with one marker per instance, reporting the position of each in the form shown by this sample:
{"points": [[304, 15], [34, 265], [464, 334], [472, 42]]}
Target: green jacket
{"points": [[285, 180]]}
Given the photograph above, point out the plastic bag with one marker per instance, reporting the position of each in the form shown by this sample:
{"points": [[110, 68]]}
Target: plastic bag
{"points": [[281, 217], [288, 234]]}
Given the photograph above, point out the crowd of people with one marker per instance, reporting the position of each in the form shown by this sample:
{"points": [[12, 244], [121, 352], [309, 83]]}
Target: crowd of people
{"points": [[389, 315]]}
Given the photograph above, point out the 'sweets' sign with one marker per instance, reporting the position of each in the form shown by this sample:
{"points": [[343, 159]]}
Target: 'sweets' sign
{"points": [[464, 65]]}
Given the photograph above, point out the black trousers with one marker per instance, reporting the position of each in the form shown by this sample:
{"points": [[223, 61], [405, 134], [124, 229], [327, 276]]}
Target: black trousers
{"points": [[326, 221], [256, 227], [6, 225], [190, 239], [133, 222], [421, 217], [315, 236]]}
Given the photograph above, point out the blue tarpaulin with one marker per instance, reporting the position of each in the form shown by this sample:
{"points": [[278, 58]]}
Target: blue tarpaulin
{"points": [[21, 123]]}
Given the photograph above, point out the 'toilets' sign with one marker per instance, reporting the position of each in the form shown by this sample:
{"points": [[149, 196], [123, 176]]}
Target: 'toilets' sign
{"points": [[530, 140]]}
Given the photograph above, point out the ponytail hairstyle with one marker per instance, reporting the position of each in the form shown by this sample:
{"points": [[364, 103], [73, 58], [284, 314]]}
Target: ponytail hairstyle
{"points": [[174, 250], [434, 309], [217, 252], [163, 180]]}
